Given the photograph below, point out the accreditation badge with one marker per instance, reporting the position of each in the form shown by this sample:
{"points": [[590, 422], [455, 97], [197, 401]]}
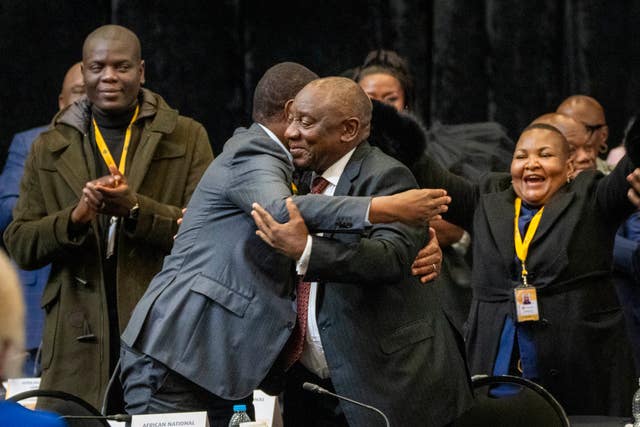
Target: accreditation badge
{"points": [[526, 303]]}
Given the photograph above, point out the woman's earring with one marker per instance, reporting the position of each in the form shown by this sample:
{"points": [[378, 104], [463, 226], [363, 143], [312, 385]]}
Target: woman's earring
{"points": [[604, 148]]}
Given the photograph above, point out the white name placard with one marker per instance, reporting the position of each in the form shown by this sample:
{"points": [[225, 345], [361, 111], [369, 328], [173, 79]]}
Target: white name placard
{"points": [[267, 409], [177, 419], [19, 385]]}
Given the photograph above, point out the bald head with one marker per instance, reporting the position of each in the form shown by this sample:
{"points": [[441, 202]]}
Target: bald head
{"points": [[584, 109], [582, 151], [72, 86], [345, 96], [113, 34], [590, 113], [570, 128], [112, 69], [328, 118]]}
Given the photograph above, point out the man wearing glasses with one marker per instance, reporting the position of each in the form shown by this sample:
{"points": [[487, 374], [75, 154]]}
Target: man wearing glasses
{"points": [[626, 250], [590, 113]]}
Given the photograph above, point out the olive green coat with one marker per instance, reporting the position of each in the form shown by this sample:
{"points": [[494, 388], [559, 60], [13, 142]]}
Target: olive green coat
{"points": [[171, 155]]}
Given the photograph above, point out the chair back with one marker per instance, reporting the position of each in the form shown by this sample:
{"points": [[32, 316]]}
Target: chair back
{"points": [[527, 405], [66, 405]]}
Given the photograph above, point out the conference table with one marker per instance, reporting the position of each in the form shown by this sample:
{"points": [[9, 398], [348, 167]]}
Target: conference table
{"points": [[598, 421]]}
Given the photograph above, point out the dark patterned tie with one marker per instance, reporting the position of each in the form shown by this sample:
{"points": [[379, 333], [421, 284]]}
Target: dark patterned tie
{"points": [[293, 348]]}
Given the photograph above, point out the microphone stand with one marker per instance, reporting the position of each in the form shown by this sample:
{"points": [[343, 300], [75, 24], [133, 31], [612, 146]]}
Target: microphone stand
{"points": [[315, 388]]}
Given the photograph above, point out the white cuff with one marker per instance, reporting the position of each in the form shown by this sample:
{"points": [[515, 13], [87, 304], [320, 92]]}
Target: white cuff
{"points": [[366, 218], [303, 263], [462, 245]]}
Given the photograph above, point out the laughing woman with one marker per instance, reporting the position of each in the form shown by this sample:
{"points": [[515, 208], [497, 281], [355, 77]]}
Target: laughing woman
{"points": [[544, 306]]}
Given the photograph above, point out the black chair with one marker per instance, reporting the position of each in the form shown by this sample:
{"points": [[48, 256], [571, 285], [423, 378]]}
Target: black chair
{"points": [[529, 406], [67, 406]]}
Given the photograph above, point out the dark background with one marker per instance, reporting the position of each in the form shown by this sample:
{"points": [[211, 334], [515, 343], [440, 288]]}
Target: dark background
{"points": [[507, 61]]}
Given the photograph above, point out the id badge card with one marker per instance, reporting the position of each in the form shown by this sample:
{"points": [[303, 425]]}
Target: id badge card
{"points": [[111, 236], [526, 303]]}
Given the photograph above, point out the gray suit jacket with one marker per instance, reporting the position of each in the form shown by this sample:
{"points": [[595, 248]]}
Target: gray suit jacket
{"points": [[386, 339], [223, 306]]}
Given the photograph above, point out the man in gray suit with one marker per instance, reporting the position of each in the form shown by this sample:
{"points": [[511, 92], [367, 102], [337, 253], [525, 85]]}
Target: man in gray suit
{"points": [[212, 323], [373, 332]]}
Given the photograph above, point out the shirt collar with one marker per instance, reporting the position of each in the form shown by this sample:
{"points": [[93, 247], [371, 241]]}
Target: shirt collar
{"points": [[275, 138], [334, 172]]}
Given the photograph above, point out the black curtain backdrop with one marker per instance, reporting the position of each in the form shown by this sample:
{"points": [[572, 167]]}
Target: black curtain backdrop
{"points": [[501, 60]]}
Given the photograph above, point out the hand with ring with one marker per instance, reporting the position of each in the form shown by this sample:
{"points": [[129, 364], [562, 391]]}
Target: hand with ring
{"points": [[429, 260]]}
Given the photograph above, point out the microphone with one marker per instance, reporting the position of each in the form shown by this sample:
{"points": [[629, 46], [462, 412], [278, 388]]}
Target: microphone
{"points": [[123, 418], [315, 388]]}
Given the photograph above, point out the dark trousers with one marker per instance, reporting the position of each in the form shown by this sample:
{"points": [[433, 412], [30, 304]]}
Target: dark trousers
{"points": [[304, 408], [150, 387]]}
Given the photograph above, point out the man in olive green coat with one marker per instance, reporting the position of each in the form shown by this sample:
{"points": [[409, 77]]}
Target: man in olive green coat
{"points": [[100, 197]]}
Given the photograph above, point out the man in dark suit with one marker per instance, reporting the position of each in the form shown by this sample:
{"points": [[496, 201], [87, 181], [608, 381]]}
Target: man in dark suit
{"points": [[372, 331], [213, 321]]}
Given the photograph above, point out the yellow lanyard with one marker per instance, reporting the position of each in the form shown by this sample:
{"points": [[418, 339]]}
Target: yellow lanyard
{"points": [[104, 150], [522, 247]]}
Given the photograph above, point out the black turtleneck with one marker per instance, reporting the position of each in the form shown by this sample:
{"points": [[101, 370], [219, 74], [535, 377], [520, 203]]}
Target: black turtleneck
{"points": [[113, 127]]}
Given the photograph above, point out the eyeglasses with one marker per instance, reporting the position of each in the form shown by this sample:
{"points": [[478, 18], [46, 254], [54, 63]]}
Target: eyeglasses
{"points": [[593, 128]]}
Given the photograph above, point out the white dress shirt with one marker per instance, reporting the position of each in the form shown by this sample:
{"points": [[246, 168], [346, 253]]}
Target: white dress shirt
{"points": [[312, 353]]}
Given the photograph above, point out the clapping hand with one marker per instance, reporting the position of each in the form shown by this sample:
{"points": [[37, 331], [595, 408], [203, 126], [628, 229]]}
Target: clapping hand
{"points": [[117, 197]]}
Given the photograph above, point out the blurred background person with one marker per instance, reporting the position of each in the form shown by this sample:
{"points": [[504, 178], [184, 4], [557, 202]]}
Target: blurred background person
{"points": [[11, 350], [467, 149], [588, 112], [32, 281]]}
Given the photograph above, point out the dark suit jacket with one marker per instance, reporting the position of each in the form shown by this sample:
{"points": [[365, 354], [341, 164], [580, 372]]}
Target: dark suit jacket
{"points": [[583, 354], [386, 339], [223, 305]]}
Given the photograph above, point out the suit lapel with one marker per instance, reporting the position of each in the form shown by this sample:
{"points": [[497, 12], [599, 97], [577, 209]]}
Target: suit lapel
{"points": [[552, 212], [499, 212], [499, 207], [352, 170], [142, 158], [158, 122]]}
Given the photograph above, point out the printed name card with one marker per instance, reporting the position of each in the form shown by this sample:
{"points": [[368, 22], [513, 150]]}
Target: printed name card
{"points": [[178, 419], [267, 409], [19, 385]]}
